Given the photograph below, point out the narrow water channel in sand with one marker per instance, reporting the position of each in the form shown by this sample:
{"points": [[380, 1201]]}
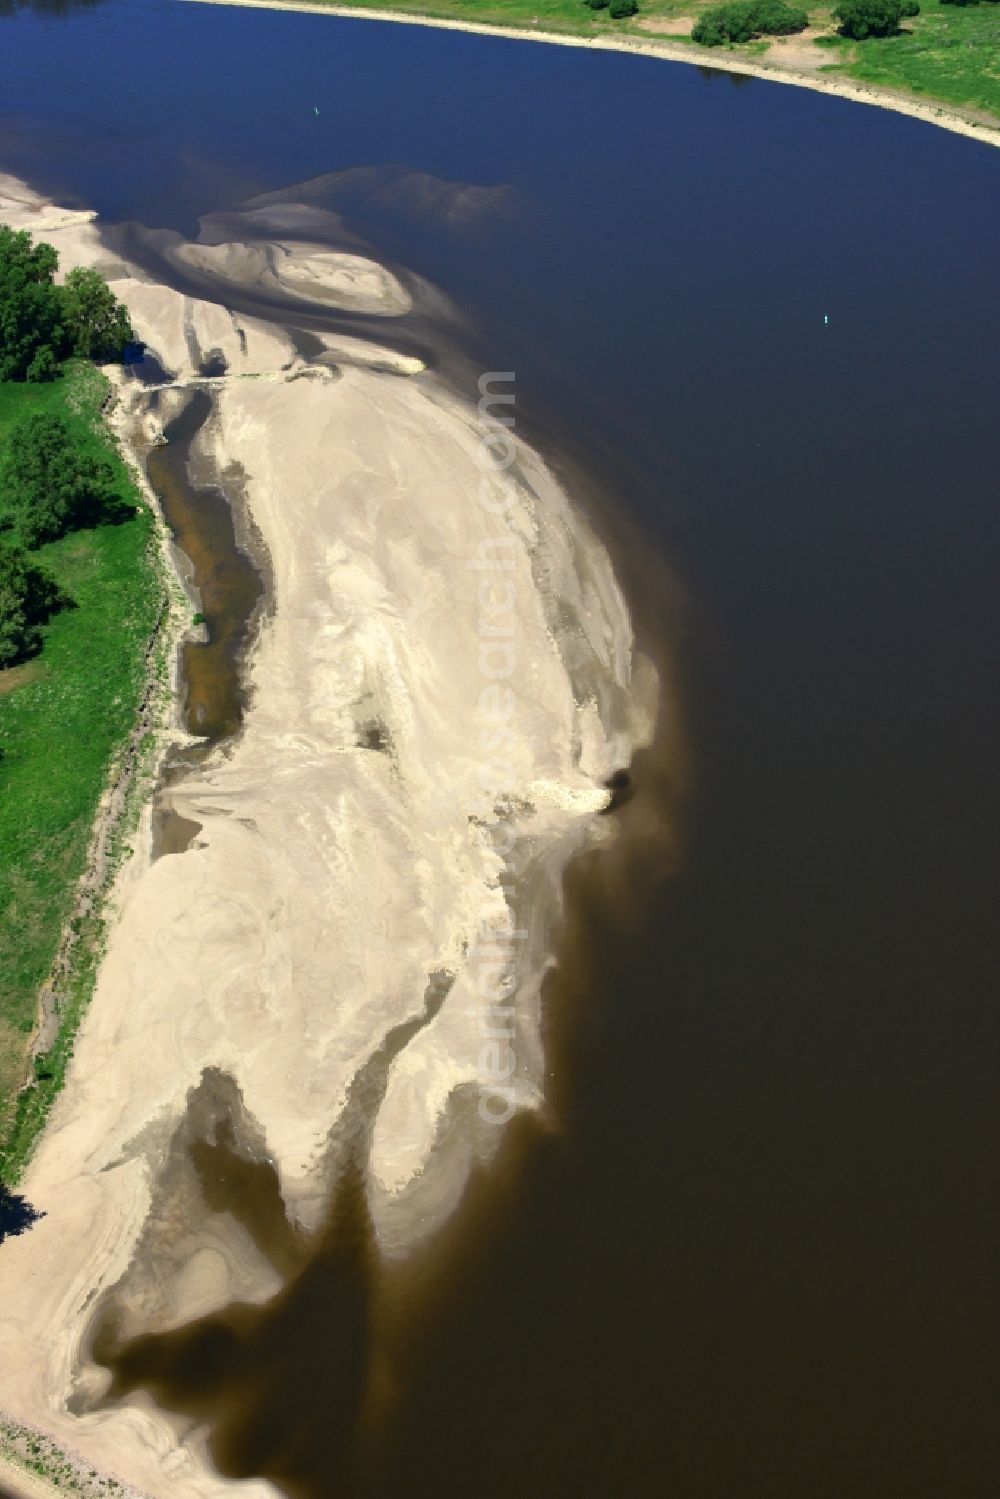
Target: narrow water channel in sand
{"points": [[228, 586], [758, 1253]]}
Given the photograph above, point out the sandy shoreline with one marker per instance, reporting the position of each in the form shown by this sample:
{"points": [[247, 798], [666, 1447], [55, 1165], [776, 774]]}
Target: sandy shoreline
{"points": [[943, 115], [444, 679]]}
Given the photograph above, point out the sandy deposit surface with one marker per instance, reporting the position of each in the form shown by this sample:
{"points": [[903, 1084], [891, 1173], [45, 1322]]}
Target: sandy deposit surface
{"points": [[304, 270], [445, 679], [790, 67]]}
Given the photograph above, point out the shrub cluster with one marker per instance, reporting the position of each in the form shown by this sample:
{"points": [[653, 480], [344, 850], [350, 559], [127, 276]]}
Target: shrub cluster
{"points": [[617, 9], [861, 18], [742, 20], [41, 324], [51, 485], [28, 597]]}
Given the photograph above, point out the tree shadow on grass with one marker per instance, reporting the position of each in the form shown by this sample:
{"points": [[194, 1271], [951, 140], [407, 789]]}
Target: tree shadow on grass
{"points": [[114, 512], [29, 597]]}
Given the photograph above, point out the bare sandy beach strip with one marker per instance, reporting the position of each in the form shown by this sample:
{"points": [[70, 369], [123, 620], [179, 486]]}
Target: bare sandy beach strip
{"points": [[443, 681], [775, 69]]}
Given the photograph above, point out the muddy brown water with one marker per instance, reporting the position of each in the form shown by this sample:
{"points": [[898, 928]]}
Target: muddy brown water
{"points": [[229, 584]]}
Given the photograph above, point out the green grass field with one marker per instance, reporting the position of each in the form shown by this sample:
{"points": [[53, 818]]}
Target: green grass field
{"points": [[950, 53], [63, 717], [571, 16]]}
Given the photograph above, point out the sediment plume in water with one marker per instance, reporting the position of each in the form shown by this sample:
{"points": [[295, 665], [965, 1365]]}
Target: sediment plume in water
{"points": [[277, 1100]]}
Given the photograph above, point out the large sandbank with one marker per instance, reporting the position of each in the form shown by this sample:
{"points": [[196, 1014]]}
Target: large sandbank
{"points": [[443, 680], [781, 64]]}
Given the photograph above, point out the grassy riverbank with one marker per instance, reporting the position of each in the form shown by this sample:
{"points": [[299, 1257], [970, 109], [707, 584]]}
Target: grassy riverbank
{"points": [[65, 718], [949, 53]]}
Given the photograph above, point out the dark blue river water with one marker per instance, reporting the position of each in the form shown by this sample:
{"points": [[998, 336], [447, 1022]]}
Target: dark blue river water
{"points": [[759, 329]]}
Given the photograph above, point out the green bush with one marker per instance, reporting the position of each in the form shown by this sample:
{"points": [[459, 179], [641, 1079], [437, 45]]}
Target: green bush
{"points": [[44, 366], [28, 597], [597, 4], [709, 29], [775, 18], [861, 18], [41, 323], [51, 485], [97, 325], [742, 20], [30, 306], [621, 8]]}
